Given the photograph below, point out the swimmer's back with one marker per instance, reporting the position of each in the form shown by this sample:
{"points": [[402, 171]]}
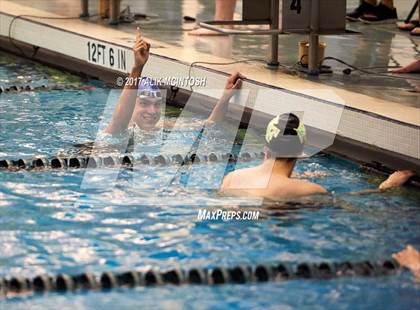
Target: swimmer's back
{"points": [[253, 182]]}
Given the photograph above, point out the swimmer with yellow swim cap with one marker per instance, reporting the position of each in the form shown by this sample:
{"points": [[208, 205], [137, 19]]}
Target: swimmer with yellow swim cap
{"points": [[285, 139]]}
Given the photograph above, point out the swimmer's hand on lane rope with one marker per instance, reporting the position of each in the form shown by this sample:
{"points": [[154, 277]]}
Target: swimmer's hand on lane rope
{"points": [[233, 83], [141, 50]]}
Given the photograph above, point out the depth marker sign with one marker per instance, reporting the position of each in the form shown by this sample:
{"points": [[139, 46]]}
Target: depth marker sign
{"points": [[106, 55]]}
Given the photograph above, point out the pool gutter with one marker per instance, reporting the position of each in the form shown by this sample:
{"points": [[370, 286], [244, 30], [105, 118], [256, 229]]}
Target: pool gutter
{"points": [[363, 136]]}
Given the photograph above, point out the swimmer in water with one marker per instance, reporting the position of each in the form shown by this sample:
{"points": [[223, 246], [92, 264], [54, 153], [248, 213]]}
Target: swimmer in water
{"points": [[284, 143], [140, 106]]}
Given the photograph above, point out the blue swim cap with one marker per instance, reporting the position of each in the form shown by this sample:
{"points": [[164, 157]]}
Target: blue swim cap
{"points": [[148, 89]]}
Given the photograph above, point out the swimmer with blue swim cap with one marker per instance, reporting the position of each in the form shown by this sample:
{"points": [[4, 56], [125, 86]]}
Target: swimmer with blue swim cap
{"points": [[147, 110], [140, 105], [285, 139]]}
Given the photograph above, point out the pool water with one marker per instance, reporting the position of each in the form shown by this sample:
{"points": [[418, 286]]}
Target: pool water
{"points": [[50, 223]]}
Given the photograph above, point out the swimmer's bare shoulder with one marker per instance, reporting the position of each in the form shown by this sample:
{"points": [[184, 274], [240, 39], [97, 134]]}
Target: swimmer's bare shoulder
{"points": [[242, 178], [304, 188], [282, 188], [227, 182]]}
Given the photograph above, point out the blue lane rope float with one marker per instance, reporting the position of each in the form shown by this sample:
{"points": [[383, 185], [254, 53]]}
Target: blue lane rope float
{"points": [[124, 160], [196, 276]]}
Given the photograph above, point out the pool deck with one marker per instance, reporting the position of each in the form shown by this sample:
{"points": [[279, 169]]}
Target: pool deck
{"points": [[379, 121]]}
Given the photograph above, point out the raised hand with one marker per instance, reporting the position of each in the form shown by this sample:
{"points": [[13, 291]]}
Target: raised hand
{"points": [[233, 83], [141, 50]]}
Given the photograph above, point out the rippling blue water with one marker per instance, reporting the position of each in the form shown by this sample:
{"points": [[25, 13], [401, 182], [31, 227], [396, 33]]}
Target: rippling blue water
{"points": [[50, 223]]}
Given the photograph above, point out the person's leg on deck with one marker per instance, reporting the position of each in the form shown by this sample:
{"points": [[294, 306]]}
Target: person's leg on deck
{"points": [[365, 7], [416, 30], [384, 13], [224, 11]]}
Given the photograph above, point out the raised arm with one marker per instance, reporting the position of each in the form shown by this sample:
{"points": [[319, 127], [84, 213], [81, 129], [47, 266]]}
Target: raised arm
{"points": [[124, 109], [233, 83]]}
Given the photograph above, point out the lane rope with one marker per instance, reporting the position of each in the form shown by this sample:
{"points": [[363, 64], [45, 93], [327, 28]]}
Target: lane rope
{"points": [[124, 160], [241, 274], [44, 87]]}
